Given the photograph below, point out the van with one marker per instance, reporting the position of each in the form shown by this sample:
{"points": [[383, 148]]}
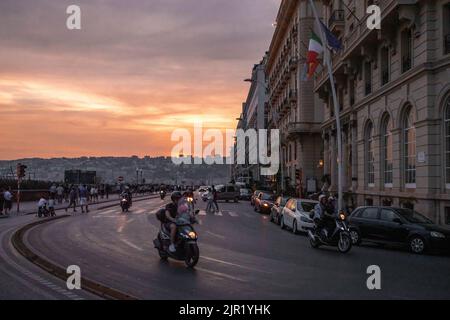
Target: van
{"points": [[228, 193]]}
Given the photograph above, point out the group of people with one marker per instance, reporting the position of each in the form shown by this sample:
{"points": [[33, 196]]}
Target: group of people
{"points": [[6, 199], [212, 200]]}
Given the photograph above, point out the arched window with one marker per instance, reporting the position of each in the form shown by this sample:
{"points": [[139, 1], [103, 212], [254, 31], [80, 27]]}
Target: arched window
{"points": [[386, 151], [409, 147], [370, 163], [447, 142]]}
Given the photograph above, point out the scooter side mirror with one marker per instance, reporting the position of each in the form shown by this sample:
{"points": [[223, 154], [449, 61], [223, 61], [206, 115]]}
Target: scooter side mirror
{"points": [[197, 211]]}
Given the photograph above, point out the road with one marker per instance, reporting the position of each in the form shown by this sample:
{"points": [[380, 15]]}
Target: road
{"points": [[243, 256]]}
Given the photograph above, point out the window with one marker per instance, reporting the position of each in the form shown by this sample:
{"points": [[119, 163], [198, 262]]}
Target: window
{"points": [[306, 206], [447, 142], [388, 215], [386, 152], [447, 215], [385, 69], [369, 202], [352, 91], [370, 213], [409, 145], [368, 77], [370, 163], [387, 203], [407, 49], [446, 31]]}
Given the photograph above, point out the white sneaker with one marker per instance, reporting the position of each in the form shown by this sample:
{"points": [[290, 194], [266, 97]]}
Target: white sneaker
{"points": [[172, 248]]}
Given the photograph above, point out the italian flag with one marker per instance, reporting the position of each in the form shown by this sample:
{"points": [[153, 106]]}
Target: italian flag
{"points": [[315, 49]]}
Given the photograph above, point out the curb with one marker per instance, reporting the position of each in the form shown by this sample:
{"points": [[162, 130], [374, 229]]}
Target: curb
{"points": [[57, 271]]}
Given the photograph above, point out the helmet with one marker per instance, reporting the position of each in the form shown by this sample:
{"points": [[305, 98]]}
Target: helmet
{"points": [[321, 197], [176, 195]]}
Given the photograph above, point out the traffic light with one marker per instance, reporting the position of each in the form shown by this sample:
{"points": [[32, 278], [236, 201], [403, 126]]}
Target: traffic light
{"points": [[20, 171]]}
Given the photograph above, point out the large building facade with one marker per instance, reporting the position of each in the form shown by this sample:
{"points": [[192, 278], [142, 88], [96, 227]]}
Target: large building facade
{"points": [[253, 117], [393, 86], [293, 107]]}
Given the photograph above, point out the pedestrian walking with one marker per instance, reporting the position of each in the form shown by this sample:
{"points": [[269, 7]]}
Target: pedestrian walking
{"points": [[214, 193], [8, 197], [2, 201], [72, 199], [60, 193], [83, 193], [53, 190]]}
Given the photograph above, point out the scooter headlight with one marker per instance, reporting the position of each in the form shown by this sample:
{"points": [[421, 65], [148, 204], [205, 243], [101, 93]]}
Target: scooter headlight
{"points": [[192, 235]]}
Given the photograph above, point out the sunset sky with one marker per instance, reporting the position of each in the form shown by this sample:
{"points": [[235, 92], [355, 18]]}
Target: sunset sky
{"points": [[137, 70]]}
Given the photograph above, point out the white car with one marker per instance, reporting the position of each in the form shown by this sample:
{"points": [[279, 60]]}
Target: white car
{"points": [[295, 215]]}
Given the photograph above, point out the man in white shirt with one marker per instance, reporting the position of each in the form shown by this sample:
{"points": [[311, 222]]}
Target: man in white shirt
{"points": [[7, 195]]}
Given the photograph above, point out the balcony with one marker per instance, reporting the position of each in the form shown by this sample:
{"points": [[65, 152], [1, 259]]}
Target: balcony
{"points": [[337, 20], [299, 128]]}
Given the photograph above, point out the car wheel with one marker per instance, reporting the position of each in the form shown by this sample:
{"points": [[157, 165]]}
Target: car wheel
{"points": [[294, 227], [282, 225], [417, 245], [356, 238]]}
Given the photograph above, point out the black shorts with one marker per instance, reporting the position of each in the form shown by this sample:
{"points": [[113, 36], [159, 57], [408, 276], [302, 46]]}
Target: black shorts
{"points": [[8, 204], [168, 224]]}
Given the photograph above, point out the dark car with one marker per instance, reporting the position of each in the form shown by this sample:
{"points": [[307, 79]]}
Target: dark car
{"points": [[228, 192], [254, 196], [245, 194], [277, 207], [264, 202], [388, 225]]}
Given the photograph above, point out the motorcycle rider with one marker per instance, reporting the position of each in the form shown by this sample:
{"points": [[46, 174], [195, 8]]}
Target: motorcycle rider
{"points": [[171, 215], [324, 216], [127, 195]]}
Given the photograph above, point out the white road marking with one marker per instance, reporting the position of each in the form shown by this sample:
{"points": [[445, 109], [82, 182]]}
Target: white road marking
{"points": [[219, 274], [232, 264], [202, 213], [132, 245], [218, 214], [215, 235], [233, 214]]}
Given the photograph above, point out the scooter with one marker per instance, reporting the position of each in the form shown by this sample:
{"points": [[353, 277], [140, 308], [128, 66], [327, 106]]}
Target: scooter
{"points": [[186, 243], [125, 204], [339, 238], [162, 194]]}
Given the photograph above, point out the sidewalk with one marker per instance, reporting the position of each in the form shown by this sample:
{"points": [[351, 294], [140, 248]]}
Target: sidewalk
{"points": [[30, 207]]}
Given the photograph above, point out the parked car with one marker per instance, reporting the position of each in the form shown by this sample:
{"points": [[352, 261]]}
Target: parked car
{"points": [[277, 207], [264, 202], [295, 215], [389, 225], [245, 194], [228, 193], [254, 196]]}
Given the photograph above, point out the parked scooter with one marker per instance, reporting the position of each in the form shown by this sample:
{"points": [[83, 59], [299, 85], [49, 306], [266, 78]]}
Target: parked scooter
{"points": [[339, 237]]}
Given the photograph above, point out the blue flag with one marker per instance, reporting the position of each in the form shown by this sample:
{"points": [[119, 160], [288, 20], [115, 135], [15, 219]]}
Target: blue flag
{"points": [[332, 41]]}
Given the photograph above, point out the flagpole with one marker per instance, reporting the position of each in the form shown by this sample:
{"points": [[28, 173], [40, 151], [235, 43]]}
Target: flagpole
{"points": [[327, 58]]}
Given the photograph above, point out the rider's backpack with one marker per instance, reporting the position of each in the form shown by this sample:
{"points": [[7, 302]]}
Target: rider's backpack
{"points": [[161, 215]]}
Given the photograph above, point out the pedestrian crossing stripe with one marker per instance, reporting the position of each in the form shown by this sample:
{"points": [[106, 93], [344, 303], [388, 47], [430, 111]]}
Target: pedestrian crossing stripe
{"points": [[202, 213], [233, 214], [218, 213]]}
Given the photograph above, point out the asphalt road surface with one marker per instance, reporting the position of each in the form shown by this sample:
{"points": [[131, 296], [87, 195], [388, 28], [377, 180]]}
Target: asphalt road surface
{"points": [[242, 256]]}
